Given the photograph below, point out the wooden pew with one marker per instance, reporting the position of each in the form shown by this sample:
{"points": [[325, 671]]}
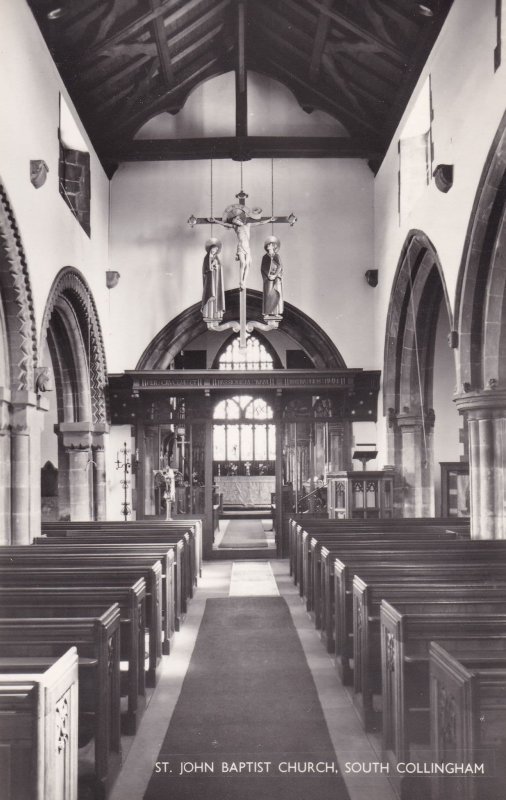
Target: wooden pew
{"points": [[167, 554], [385, 571], [422, 547], [312, 543], [68, 577], [190, 530], [468, 718], [38, 730], [184, 575], [299, 524], [38, 556], [172, 565], [97, 643], [83, 601], [405, 639], [367, 597]]}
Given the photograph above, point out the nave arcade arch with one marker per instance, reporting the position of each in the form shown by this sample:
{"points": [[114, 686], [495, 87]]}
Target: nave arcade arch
{"points": [[481, 326], [77, 423], [20, 400], [419, 378]]}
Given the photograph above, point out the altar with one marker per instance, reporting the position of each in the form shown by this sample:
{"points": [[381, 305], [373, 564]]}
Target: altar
{"points": [[246, 490]]}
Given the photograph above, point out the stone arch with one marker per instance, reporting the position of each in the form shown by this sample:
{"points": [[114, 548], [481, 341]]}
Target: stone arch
{"points": [[19, 404], [72, 330], [481, 316], [16, 295], [70, 299], [480, 290], [189, 324], [418, 293]]}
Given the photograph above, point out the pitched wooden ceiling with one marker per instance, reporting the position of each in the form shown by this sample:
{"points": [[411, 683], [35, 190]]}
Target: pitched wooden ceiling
{"points": [[124, 61]]}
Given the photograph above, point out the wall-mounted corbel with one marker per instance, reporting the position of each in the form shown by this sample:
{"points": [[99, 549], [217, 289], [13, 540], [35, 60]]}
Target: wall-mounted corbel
{"points": [[371, 277], [443, 176], [111, 278], [38, 172]]}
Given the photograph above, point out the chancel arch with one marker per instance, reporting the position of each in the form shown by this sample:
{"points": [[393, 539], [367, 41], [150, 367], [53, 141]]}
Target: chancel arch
{"points": [[481, 326], [71, 342], [174, 337], [20, 403], [419, 319]]}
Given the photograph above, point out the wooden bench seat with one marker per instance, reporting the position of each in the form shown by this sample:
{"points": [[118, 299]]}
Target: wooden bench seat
{"points": [[312, 543], [405, 640], [53, 556], [367, 597], [29, 601], [410, 573], [181, 540], [169, 556], [468, 718], [422, 547], [38, 730], [186, 577], [97, 644], [73, 576], [104, 543], [313, 526], [174, 529]]}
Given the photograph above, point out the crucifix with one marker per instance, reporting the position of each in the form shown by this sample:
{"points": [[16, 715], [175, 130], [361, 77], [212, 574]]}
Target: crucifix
{"points": [[239, 218]]}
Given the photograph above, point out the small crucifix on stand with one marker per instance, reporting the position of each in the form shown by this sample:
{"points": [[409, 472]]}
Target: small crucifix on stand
{"points": [[241, 219]]}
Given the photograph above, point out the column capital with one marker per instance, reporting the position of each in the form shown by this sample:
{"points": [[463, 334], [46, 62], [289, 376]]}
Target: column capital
{"points": [[411, 419], [81, 435], [24, 398], [482, 403]]}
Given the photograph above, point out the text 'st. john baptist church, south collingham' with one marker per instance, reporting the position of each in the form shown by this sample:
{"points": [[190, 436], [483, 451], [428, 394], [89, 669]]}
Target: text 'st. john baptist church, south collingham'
{"points": [[252, 345]]}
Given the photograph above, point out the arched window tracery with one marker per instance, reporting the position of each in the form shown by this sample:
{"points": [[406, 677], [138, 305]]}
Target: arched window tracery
{"points": [[244, 433]]}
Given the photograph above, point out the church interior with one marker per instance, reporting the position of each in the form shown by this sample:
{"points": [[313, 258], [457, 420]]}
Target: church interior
{"points": [[253, 399]]}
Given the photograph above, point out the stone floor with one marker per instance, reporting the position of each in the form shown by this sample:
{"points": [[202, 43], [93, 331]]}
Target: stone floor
{"points": [[350, 742]]}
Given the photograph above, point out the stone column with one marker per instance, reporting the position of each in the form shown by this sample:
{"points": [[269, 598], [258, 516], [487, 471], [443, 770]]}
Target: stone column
{"points": [[99, 472], [63, 478], [26, 421], [77, 440], [415, 456], [485, 411], [5, 467]]}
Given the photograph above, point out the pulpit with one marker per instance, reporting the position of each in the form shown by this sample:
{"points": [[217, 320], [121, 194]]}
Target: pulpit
{"points": [[360, 495]]}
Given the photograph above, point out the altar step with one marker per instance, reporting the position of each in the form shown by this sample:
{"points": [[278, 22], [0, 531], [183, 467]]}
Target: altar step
{"points": [[244, 553], [238, 512]]}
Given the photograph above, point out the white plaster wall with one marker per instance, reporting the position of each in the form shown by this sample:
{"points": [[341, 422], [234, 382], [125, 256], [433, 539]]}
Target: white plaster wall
{"points": [[29, 100], [325, 254], [468, 100], [210, 111]]}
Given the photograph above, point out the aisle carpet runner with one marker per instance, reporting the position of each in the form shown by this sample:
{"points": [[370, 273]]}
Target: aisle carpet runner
{"points": [[248, 724], [244, 533]]}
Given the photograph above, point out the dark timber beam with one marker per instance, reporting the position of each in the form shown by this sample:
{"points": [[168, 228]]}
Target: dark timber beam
{"points": [[130, 30], [242, 148], [320, 39], [241, 78], [162, 47], [361, 33]]}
